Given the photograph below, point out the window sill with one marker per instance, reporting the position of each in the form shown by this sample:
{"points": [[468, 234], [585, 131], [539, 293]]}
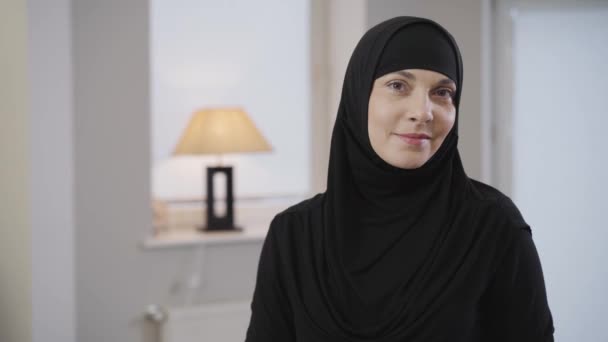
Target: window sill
{"points": [[193, 237], [179, 228]]}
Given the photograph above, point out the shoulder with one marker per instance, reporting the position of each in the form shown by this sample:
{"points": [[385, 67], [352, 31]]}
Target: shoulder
{"points": [[297, 214], [485, 192], [497, 204], [305, 206]]}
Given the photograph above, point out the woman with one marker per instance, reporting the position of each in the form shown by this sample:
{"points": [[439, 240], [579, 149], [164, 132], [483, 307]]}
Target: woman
{"points": [[402, 246]]}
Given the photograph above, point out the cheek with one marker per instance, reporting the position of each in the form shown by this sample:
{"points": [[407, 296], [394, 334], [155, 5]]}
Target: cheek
{"points": [[374, 121], [381, 120], [444, 123], [378, 124]]}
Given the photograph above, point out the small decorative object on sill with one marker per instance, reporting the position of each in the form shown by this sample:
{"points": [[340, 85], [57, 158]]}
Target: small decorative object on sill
{"points": [[160, 220], [220, 131]]}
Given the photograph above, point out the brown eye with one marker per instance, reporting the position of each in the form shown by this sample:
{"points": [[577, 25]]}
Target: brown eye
{"points": [[445, 93], [397, 86]]}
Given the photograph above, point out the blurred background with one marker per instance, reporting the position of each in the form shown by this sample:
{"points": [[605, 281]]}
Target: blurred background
{"points": [[99, 214]]}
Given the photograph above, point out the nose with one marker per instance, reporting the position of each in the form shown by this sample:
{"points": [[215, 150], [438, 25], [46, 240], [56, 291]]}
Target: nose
{"points": [[421, 110]]}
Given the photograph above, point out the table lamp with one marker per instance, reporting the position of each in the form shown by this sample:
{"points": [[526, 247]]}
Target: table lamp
{"points": [[220, 131]]}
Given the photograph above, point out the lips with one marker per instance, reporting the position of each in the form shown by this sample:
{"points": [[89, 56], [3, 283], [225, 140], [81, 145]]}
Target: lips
{"points": [[414, 139], [415, 136]]}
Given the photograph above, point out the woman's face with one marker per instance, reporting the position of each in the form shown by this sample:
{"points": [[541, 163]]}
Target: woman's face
{"points": [[409, 115]]}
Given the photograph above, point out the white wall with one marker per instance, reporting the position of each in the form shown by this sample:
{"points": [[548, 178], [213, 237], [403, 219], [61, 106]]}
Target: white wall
{"points": [[51, 171], [15, 243], [210, 53], [111, 168], [467, 20], [560, 161]]}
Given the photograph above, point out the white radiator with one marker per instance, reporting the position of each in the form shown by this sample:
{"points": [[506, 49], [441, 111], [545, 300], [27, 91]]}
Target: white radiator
{"points": [[216, 322]]}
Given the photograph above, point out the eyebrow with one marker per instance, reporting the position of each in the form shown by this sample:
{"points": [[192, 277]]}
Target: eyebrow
{"points": [[409, 75]]}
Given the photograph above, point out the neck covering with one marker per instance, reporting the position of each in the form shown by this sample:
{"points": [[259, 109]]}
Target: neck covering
{"points": [[385, 226]]}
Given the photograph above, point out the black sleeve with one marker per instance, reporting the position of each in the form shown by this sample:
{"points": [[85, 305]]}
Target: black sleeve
{"points": [[514, 307], [271, 314]]}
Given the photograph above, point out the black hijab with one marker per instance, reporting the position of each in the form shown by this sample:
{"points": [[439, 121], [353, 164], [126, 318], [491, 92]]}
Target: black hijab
{"points": [[389, 249], [388, 254]]}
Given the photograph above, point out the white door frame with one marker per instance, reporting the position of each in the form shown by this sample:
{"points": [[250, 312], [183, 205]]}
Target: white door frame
{"points": [[336, 27]]}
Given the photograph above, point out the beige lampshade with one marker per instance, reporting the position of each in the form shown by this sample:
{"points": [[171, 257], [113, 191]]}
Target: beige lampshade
{"points": [[219, 131]]}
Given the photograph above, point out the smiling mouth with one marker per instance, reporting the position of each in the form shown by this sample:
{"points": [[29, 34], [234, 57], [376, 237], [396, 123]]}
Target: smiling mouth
{"points": [[414, 139], [415, 136]]}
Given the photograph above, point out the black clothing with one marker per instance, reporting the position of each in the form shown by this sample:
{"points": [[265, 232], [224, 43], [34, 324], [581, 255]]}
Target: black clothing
{"points": [[391, 254], [419, 46], [500, 298]]}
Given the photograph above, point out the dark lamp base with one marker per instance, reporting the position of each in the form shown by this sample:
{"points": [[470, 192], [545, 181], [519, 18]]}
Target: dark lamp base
{"points": [[206, 229], [214, 222]]}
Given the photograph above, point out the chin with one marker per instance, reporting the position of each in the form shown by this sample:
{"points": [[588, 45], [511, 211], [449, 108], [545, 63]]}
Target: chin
{"points": [[410, 163]]}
